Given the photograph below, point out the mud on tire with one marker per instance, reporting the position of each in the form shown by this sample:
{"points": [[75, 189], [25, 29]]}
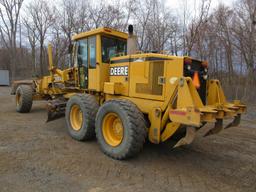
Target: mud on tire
{"points": [[24, 98], [134, 129]]}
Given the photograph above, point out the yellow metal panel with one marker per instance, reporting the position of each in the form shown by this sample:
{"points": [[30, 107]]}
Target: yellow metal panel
{"points": [[94, 77], [194, 94], [113, 88], [187, 90], [38, 97], [141, 73], [104, 75], [50, 60], [143, 56], [109, 88], [121, 79], [154, 130], [145, 105], [93, 81], [186, 116], [215, 93], [170, 129], [184, 96], [103, 67], [68, 95], [173, 71]]}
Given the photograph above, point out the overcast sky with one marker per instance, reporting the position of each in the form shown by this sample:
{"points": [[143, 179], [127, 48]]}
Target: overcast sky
{"points": [[178, 3], [174, 4]]}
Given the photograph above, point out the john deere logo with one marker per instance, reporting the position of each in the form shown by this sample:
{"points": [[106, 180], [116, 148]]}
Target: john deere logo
{"points": [[119, 71]]}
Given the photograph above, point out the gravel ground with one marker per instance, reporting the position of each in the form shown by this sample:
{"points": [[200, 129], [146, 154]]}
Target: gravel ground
{"points": [[39, 156]]}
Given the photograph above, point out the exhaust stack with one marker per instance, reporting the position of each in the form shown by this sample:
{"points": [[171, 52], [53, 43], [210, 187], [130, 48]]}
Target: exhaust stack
{"points": [[131, 41]]}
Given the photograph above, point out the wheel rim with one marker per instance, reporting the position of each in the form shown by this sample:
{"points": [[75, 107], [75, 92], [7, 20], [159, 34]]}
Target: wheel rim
{"points": [[18, 99], [76, 117], [113, 129]]}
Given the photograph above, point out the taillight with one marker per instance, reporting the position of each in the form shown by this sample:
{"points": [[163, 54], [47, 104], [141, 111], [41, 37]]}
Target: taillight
{"points": [[205, 64], [187, 63]]}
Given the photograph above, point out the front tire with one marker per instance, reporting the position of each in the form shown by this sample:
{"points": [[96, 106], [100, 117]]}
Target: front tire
{"points": [[80, 116], [24, 98], [120, 129]]}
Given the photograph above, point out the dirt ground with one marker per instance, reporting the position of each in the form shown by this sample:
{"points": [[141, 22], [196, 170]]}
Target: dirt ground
{"points": [[39, 156]]}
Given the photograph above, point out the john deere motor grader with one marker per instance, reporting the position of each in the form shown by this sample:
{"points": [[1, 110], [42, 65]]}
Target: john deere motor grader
{"points": [[124, 97]]}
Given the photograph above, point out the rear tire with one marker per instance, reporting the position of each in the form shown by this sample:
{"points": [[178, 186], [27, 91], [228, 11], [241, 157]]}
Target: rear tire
{"points": [[80, 116], [24, 98], [127, 142]]}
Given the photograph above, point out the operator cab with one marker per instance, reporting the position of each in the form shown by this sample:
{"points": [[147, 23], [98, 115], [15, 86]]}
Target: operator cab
{"points": [[92, 52]]}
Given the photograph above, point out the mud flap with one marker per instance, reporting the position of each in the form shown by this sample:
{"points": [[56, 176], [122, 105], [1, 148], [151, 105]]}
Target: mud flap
{"points": [[217, 128], [189, 137], [235, 122]]}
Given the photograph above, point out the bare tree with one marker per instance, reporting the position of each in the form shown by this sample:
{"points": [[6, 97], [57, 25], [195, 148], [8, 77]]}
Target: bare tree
{"points": [[245, 32], [9, 16], [161, 26], [197, 20], [68, 18], [141, 16], [43, 18], [242, 30], [60, 46], [224, 34], [32, 36], [106, 15], [129, 7]]}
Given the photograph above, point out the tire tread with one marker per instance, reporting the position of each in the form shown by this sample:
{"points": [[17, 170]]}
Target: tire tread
{"points": [[90, 104], [138, 129], [27, 98]]}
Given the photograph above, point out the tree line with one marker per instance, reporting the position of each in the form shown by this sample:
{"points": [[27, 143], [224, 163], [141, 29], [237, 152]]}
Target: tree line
{"points": [[224, 36]]}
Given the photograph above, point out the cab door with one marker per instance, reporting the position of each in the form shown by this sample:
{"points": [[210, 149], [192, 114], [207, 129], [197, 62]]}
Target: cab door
{"points": [[82, 62], [94, 77]]}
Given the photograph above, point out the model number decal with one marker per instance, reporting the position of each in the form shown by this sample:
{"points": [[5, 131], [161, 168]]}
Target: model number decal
{"points": [[119, 71]]}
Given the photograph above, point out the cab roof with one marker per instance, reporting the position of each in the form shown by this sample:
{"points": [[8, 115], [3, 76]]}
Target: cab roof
{"points": [[102, 30]]}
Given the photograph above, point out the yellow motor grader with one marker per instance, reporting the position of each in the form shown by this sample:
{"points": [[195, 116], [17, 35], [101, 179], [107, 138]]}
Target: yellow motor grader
{"points": [[125, 97]]}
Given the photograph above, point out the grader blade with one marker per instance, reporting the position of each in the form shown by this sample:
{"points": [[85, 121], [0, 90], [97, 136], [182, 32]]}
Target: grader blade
{"points": [[55, 109], [189, 137], [51, 116]]}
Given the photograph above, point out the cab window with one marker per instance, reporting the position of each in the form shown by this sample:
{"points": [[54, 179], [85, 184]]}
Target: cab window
{"points": [[82, 62], [82, 53], [111, 47], [92, 49]]}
